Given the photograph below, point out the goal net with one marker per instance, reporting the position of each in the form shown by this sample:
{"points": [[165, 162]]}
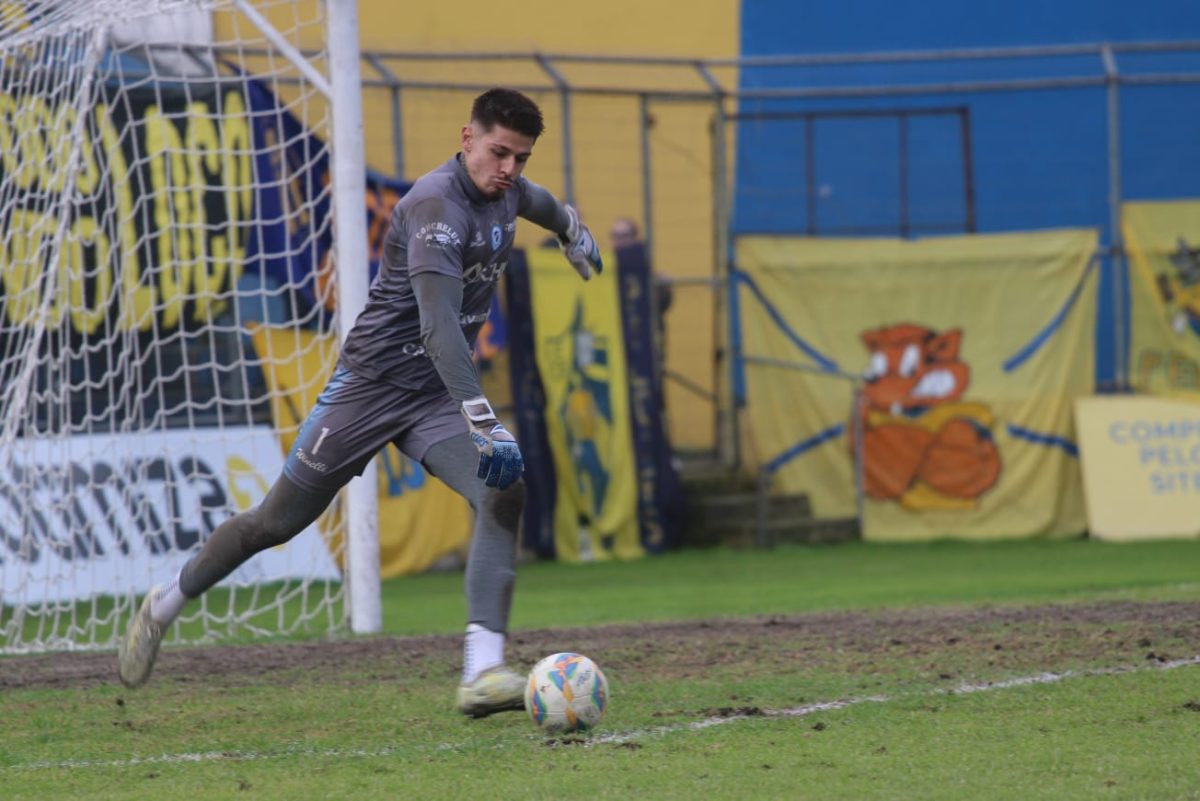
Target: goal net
{"points": [[165, 316]]}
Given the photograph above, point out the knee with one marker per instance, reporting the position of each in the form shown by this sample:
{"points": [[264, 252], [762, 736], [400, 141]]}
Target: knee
{"points": [[506, 505]]}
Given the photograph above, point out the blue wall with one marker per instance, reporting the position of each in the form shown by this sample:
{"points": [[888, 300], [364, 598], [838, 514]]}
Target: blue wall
{"points": [[1039, 159]]}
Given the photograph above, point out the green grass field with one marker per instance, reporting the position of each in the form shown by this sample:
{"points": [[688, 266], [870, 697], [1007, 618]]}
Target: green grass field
{"points": [[1030, 670]]}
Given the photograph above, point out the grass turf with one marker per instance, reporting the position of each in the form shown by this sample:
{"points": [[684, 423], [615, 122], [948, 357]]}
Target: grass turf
{"points": [[369, 730]]}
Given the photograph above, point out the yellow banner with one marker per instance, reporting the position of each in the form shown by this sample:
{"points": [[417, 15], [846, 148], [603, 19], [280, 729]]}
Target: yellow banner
{"points": [[420, 518], [969, 352], [1141, 466], [162, 238], [580, 354], [1163, 242]]}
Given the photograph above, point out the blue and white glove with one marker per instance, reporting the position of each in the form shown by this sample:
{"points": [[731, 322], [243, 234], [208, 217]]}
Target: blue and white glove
{"points": [[579, 246], [500, 461]]}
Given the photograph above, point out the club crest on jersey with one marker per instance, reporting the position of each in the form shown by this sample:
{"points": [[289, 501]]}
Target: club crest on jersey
{"points": [[439, 235], [497, 237]]}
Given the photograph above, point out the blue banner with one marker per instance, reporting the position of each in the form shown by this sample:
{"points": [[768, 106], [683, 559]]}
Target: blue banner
{"points": [[660, 494], [292, 168], [529, 398]]}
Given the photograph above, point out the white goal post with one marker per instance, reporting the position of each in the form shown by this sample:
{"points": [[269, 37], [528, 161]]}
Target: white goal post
{"points": [[183, 243]]}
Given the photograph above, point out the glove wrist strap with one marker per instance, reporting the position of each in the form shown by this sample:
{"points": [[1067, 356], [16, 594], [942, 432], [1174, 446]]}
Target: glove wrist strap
{"points": [[478, 410], [569, 236]]}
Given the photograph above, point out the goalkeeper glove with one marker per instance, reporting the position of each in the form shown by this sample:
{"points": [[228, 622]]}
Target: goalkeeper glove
{"points": [[500, 461], [579, 246]]}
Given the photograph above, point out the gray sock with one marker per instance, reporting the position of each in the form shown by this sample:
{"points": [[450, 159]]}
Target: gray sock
{"points": [[287, 510], [493, 554]]}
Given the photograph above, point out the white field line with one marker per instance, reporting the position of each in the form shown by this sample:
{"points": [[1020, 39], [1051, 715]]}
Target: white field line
{"points": [[616, 738], [826, 706]]}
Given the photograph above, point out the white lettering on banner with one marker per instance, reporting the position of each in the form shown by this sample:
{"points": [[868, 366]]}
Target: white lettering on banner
{"points": [[113, 513]]}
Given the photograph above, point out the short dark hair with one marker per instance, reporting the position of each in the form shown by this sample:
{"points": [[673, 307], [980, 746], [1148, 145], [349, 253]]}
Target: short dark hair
{"points": [[509, 108]]}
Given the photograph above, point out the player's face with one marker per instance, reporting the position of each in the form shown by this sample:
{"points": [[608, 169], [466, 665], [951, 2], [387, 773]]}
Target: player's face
{"points": [[494, 159]]}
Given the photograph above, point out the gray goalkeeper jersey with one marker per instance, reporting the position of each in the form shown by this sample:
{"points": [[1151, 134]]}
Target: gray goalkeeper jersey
{"points": [[443, 225]]}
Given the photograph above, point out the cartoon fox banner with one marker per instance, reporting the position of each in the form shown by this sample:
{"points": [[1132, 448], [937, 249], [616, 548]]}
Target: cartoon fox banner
{"points": [[958, 358], [1163, 242]]}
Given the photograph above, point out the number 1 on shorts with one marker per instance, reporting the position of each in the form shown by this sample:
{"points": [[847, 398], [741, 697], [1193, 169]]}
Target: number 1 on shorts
{"points": [[320, 439]]}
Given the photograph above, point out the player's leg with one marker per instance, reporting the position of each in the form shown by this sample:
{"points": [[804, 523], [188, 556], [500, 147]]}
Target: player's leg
{"points": [[490, 565], [287, 510], [487, 684], [352, 420]]}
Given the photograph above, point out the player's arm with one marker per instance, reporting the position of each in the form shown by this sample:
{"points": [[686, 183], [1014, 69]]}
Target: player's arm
{"points": [[439, 300], [437, 231], [435, 250], [539, 206]]}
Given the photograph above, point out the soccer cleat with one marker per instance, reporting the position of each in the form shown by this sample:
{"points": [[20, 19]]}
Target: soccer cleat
{"points": [[496, 689], [135, 657]]}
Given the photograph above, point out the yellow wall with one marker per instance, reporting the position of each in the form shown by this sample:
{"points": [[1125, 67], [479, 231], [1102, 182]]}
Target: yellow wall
{"points": [[700, 28], [606, 130]]}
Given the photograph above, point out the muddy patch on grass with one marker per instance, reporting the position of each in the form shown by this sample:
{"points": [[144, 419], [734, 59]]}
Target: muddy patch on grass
{"points": [[943, 644]]}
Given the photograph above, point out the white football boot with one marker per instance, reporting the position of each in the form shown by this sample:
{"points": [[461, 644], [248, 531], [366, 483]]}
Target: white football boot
{"points": [[497, 689], [135, 657]]}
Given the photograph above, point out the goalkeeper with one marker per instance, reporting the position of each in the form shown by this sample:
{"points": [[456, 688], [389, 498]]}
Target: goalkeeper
{"points": [[405, 376]]}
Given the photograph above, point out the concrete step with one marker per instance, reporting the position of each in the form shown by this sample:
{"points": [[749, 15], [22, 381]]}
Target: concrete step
{"points": [[733, 518], [749, 533], [739, 506]]}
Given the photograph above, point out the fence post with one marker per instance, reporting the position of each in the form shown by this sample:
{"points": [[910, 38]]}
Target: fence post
{"points": [[1116, 262], [564, 96], [724, 367]]}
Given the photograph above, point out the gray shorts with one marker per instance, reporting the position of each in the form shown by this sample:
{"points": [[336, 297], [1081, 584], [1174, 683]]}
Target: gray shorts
{"points": [[356, 417]]}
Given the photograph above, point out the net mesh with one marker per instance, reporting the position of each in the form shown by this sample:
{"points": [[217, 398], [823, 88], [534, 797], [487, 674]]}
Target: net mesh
{"points": [[165, 316]]}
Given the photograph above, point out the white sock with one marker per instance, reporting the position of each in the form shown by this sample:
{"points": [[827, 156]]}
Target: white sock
{"points": [[167, 603], [482, 649]]}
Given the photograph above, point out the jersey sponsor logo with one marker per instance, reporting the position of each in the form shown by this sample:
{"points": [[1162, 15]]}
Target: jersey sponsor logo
{"points": [[484, 272], [497, 236], [439, 235], [412, 349], [510, 227]]}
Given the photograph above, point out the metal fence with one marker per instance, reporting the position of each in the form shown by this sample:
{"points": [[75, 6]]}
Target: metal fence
{"points": [[657, 140]]}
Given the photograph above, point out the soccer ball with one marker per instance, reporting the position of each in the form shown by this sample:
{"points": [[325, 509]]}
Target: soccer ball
{"points": [[566, 693]]}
